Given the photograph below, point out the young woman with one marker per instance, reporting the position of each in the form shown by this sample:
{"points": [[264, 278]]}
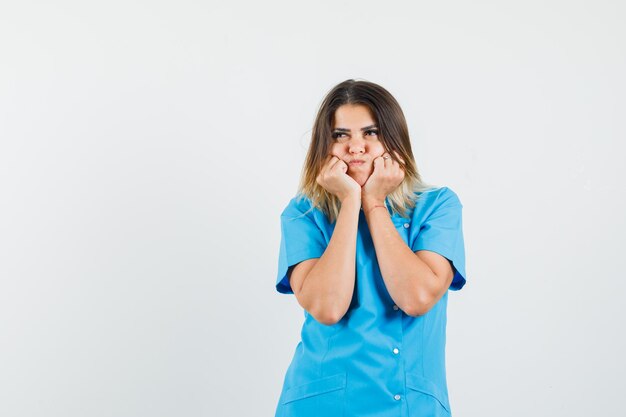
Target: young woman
{"points": [[370, 252]]}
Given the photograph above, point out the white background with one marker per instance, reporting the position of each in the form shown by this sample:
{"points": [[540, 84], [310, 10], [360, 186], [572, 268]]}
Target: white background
{"points": [[148, 148]]}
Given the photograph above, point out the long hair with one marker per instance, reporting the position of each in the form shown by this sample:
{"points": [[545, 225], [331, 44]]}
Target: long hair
{"points": [[392, 132]]}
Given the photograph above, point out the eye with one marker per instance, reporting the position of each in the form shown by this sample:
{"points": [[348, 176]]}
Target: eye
{"points": [[336, 135], [373, 131]]}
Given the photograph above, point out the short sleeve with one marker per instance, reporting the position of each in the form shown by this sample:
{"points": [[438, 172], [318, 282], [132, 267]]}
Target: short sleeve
{"points": [[442, 232], [301, 239]]}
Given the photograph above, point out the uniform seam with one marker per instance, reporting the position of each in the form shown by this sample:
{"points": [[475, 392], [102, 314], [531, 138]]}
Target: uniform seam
{"points": [[328, 346], [422, 327]]}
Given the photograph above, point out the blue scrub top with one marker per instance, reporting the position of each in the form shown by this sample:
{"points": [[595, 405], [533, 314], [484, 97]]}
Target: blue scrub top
{"points": [[377, 360]]}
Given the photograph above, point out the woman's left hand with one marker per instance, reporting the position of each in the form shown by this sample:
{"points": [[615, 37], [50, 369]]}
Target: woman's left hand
{"points": [[387, 176]]}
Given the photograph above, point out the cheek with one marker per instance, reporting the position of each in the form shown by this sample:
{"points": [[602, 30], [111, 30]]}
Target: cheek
{"points": [[378, 150], [336, 150]]}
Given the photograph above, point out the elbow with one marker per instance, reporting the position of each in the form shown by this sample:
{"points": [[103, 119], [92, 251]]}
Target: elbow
{"points": [[324, 309], [416, 311], [327, 315], [418, 306], [328, 320]]}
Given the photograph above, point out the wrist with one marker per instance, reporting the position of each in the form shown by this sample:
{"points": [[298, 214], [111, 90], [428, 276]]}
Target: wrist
{"points": [[370, 209], [354, 200], [370, 202]]}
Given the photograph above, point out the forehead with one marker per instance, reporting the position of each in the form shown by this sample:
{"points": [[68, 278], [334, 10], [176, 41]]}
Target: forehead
{"points": [[353, 115]]}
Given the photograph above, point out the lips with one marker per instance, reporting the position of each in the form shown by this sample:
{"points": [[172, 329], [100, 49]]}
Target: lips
{"points": [[356, 163]]}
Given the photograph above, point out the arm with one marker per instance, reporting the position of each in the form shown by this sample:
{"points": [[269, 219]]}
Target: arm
{"points": [[324, 286], [415, 281]]}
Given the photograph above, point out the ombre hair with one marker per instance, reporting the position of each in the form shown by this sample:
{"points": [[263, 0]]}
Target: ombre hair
{"points": [[393, 133]]}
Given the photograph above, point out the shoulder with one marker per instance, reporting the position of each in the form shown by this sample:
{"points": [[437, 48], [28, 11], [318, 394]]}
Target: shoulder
{"points": [[438, 196], [434, 200], [298, 206]]}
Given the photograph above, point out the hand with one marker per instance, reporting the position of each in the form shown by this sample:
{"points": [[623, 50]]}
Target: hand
{"points": [[387, 176], [334, 178]]}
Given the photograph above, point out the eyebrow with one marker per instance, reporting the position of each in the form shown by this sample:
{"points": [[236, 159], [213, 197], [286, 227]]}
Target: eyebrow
{"points": [[341, 129]]}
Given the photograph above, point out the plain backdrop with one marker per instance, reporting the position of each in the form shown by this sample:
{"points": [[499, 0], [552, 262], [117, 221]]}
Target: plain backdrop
{"points": [[147, 149]]}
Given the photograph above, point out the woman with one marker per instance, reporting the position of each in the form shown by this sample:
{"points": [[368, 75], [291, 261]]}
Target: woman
{"points": [[369, 251]]}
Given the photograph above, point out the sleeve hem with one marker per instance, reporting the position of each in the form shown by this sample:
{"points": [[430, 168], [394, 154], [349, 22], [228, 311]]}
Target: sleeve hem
{"points": [[282, 283], [458, 280]]}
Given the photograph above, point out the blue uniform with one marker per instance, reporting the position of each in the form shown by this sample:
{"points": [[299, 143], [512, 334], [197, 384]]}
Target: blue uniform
{"points": [[377, 360]]}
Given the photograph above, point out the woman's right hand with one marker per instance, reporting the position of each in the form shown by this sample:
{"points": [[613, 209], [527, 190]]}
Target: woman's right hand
{"points": [[334, 178]]}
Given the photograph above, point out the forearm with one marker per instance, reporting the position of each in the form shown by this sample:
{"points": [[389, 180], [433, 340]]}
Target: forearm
{"points": [[330, 283], [408, 279]]}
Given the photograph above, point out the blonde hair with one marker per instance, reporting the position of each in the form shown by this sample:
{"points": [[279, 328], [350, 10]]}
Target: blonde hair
{"points": [[392, 132]]}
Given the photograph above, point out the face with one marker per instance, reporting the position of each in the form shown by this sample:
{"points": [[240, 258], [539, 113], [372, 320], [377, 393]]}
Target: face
{"points": [[355, 137]]}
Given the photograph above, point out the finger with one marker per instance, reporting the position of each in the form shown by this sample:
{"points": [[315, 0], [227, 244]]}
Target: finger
{"points": [[388, 160], [333, 164], [379, 163], [341, 164], [330, 161]]}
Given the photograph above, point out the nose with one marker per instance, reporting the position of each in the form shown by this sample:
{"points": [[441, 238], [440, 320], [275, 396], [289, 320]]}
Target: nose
{"points": [[356, 144]]}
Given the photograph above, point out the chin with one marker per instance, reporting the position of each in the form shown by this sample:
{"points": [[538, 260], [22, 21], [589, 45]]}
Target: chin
{"points": [[360, 176], [360, 180]]}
